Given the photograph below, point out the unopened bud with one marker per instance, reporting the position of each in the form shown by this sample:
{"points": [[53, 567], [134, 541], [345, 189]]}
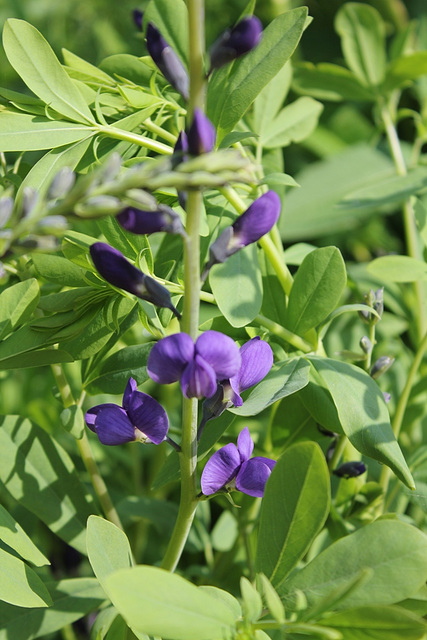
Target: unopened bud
{"points": [[167, 61], [235, 42], [6, 208], [201, 134], [138, 16], [98, 206], [61, 183], [145, 222], [381, 366], [387, 397], [350, 469], [365, 344], [29, 200]]}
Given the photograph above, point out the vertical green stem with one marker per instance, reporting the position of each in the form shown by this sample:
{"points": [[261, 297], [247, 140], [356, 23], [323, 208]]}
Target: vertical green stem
{"points": [[190, 316], [86, 454]]}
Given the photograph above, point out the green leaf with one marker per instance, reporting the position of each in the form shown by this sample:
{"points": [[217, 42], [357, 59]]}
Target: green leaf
{"points": [[19, 585], [294, 123], [404, 69], [272, 599], [72, 419], [108, 548], [171, 19], [284, 379], [17, 303], [72, 599], [145, 596], [300, 481], [396, 553], [41, 476], [268, 102], [75, 62], [33, 59], [118, 368], [363, 413], [237, 286], [327, 81], [233, 89], [362, 33], [398, 269], [311, 211], [317, 289], [378, 623], [24, 132], [252, 602], [12, 534], [58, 270]]}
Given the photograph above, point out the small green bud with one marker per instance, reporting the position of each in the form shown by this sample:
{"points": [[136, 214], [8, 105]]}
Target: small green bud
{"points": [[380, 366], [365, 344]]}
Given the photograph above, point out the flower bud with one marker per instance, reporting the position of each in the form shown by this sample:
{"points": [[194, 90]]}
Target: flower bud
{"points": [[234, 42], [365, 344], [167, 61], [201, 134], [381, 366], [146, 222], [350, 469], [98, 206], [137, 16], [387, 397], [6, 208], [61, 183], [119, 272]]}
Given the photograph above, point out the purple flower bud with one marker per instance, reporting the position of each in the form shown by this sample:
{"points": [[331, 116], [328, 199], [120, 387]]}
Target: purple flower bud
{"points": [[387, 397], [233, 468], [140, 419], [350, 469], [119, 272], [167, 60], [138, 16], [254, 223], [199, 367], [146, 222], [201, 134], [380, 366], [234, 42]]}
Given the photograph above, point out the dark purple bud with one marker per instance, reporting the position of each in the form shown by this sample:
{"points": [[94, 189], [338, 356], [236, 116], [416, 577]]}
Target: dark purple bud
{"points": [[234, 42], [138, 16], [254, 223], [119, 272], [326, 432], [350, 469], [201, 134], [380, 366], [233, 468], [146, 222], [180, 150], [167, 60]]}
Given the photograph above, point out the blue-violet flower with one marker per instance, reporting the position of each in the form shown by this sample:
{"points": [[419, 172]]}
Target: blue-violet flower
{"points": [[145, 222], [232, 467], [234, 42], [118, 271], [140, 419], [167, 61], [138, 17], [201, 134], [198, 366], [350, 469]]}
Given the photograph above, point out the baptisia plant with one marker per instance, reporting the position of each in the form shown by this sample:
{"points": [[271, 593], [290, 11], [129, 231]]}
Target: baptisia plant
{"points": [[140, 419]]}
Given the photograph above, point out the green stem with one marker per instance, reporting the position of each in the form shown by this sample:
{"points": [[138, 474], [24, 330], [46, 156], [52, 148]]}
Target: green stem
{"points": [[154, 128], [135, 138], [190, 316], [85, 451], [402, 404], [409, 223], [300, 628], [339, 449], [288, 336]]}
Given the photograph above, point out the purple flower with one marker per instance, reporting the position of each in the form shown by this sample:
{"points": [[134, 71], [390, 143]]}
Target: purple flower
{"points": [[350, 469], [146, 222], [119, 272], [167, 60], [141, 419], [199, 366], [234, 42], [138, 16], [232, 467], [201, 134], [254, 223]]}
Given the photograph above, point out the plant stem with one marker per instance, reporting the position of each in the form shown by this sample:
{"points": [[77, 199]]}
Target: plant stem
{"points": [[408, 214], [339, 449], [135, 138], [85, 451], [402, 404], [190, 316]]}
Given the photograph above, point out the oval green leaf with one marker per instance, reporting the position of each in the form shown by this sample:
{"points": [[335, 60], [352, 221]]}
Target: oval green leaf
{"points": [[398, 269], [19, 585]]}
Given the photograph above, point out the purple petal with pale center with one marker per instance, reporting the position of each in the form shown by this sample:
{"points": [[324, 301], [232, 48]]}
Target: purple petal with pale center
{"points": [[198, 379], [113, 426], [221, 352], [257, 360], [245, 445], [130, 388], [257, 220], [148, 416], [169, 357], [253, 475], [220, 469]]}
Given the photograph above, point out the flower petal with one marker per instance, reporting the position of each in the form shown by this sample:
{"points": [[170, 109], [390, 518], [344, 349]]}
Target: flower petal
{"points": [[253, 475], [257, 360], [245, 445], [221, 352], [169, 357], [201, 134], [148, 416], [198, 379], [113, 426], [90, 416], [220, 469], [257, 220], [234, 42], [130, 388], [115, 268]]}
